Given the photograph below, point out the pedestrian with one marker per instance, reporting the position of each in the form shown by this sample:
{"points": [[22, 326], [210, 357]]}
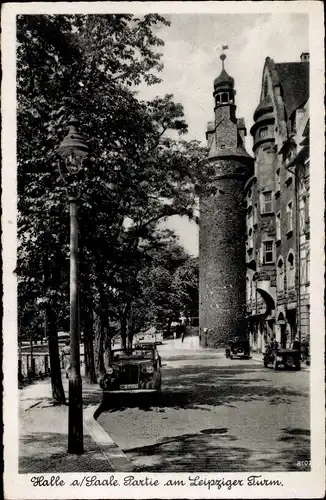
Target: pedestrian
{"points": [[296, 344], [65, 352]]}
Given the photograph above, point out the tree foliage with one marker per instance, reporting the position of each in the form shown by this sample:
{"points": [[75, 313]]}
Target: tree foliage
{"points": [[136, 174]]}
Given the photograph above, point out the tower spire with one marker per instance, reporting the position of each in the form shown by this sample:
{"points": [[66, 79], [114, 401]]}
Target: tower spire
{"points": [[223, 56]]}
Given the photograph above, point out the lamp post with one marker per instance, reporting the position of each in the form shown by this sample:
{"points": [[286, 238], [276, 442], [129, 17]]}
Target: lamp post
{"points": [[73, 151]]}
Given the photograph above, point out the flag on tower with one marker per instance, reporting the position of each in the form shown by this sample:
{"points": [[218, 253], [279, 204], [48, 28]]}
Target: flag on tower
{"points": [[224, 47]]}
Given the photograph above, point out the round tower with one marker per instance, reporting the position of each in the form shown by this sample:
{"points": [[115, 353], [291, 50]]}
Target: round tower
{"points": [[222, 230]]}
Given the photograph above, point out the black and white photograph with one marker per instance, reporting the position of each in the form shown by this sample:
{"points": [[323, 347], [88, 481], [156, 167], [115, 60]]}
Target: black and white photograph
{"points": [[163, 250]]}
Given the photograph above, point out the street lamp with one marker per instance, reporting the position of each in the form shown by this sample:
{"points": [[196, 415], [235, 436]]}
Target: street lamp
{"points": [[73, 150]]}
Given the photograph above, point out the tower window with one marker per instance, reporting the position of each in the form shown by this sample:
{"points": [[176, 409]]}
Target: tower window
{"points": [[278, 227], [280, 275], [223, 98], [289, 218], [268, 252], [267, 202], [265, 87], [263, 132], [290, 271]]}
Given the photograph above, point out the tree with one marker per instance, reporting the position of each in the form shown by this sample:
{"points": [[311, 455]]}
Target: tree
{"points": [[136, 176]]}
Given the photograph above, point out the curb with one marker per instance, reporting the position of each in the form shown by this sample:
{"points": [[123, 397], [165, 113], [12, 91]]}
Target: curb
{"points": [[115, 456]]}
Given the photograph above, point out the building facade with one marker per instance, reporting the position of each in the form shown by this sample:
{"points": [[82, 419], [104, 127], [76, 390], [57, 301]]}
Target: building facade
{"points": [[277, 201], [222, 266]]}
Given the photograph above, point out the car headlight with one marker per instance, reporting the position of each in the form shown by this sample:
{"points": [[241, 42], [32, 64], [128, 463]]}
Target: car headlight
{"points": [[110, 370], [150, 369]]}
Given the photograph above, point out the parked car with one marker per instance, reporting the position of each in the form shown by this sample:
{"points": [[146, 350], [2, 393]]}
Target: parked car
{"points": [[63, 337], [288, 358], [150, 336], [138, 370], [238, 348]]}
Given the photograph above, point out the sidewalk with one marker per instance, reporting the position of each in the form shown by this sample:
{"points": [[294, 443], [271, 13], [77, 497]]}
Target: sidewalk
{"points": [[43, 433]]}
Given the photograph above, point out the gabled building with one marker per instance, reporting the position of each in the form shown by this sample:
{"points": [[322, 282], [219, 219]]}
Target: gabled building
{"points": [[276, 282]]}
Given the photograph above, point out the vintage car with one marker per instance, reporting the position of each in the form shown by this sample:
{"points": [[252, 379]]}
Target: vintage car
{"points": [[288, 358], [138, 370], [238, 348], [150, 336]]}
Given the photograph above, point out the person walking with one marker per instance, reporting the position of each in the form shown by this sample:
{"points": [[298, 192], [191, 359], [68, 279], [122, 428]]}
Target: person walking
{"points": [[65, 352]]}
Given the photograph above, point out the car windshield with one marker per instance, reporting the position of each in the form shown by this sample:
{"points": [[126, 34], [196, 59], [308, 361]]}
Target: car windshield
{"points": [[134, 353]]}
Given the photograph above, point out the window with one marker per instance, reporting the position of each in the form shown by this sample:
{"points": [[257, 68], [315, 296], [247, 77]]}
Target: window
{"points": [[303, 214], [280, 275], [303, 271], [278, 226], [308, 267], [250, 239], [278, 181], [306, 209], [268, 252], [248, 289], [258, 258], [288, 177], [289, 218], [254, 290], [255, 218], [263, 132], [290, 271], [267, 204], [223, 98]]}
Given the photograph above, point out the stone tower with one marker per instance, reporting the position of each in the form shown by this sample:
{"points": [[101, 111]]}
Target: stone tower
{"points": [[222, 230]]}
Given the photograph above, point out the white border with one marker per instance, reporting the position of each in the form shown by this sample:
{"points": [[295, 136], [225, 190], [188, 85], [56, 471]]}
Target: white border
{"points": [[296, 484]]}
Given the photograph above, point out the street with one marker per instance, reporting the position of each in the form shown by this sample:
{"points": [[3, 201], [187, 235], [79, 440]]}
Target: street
{"points": [[216, 414]]}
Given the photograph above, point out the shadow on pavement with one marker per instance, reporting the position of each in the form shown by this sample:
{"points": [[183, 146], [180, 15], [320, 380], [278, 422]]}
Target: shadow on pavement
{"points": [[191, 387], [295, 451], [47, 452], [205, 452]]}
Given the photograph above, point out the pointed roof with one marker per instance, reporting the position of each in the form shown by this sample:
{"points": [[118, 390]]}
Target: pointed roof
{"points": [[294, 79], [265, 105]]}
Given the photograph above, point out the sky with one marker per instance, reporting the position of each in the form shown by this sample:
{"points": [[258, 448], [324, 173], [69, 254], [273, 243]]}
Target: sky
{"points": [[191, 62]]}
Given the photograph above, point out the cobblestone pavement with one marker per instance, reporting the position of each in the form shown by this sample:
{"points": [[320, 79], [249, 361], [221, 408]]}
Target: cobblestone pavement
{"points": [[216, 414]]}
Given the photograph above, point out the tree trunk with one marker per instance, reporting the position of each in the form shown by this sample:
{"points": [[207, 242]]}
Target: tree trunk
{"points": [[168, 333], [123, 328], [107, 349], [58, 393], [99, 347], [130, 333]]}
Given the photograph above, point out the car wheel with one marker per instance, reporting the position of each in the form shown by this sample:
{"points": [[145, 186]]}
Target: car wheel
{"points": [[275, 364], [298, 366], [231, 357], [265, 363]]}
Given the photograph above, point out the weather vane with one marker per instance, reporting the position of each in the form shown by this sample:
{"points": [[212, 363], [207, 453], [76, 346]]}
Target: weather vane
{"points": [[223, 56]]}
